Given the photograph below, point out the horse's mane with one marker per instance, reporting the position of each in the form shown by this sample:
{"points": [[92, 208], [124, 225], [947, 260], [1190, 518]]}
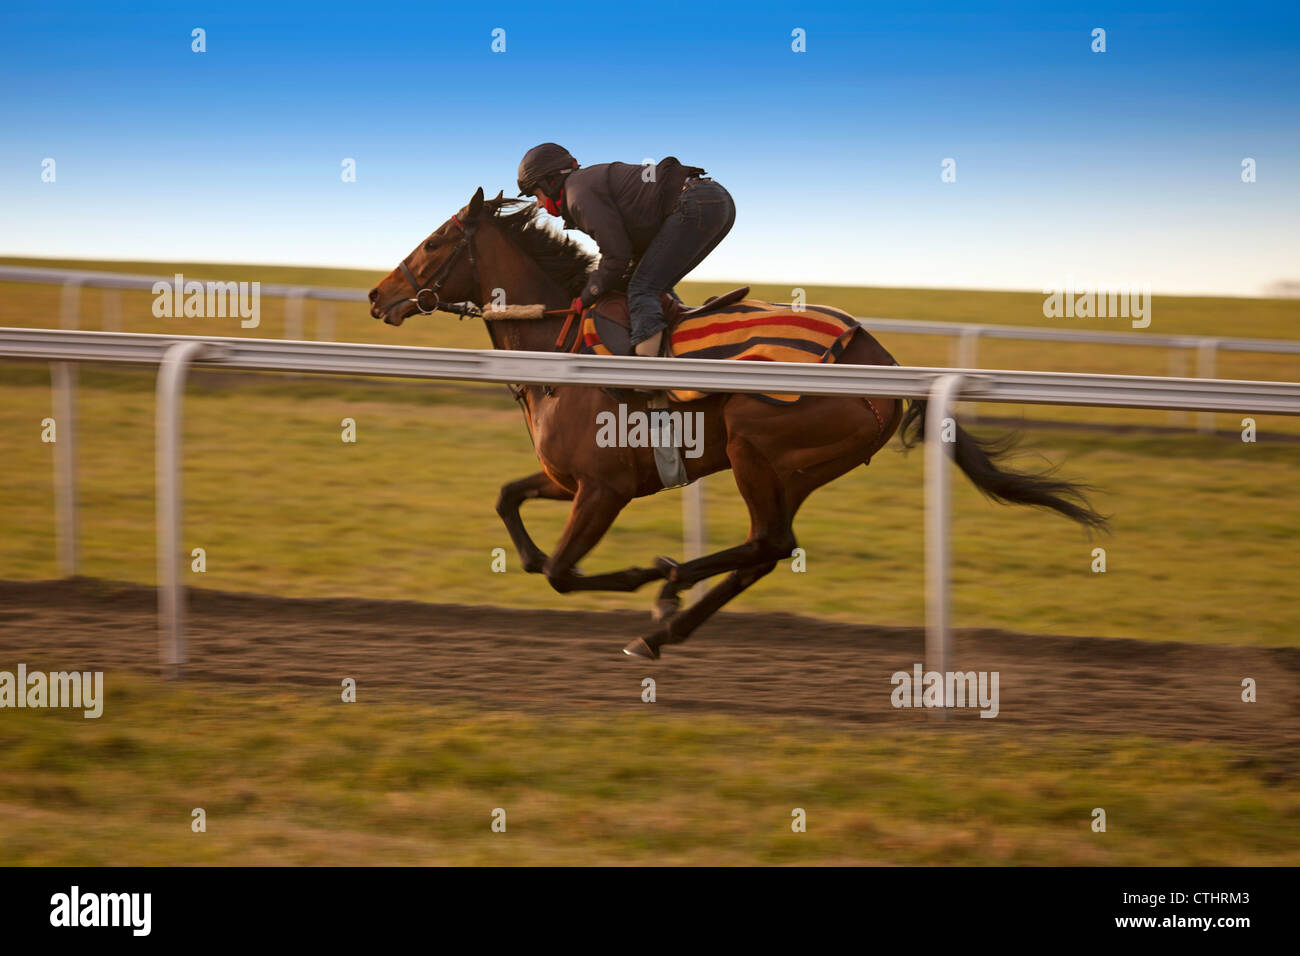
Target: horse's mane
{"points": [[559, 256]]}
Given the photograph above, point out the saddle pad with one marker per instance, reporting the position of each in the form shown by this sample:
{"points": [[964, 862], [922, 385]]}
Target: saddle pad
{"points": [[752, 331]]}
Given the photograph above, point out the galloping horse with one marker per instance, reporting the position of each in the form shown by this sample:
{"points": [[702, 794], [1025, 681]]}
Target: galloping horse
{"points": [[779, 454]]}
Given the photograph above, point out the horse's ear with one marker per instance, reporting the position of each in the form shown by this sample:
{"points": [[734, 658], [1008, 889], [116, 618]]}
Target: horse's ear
{"points": [[500, 195], [475, 204]]}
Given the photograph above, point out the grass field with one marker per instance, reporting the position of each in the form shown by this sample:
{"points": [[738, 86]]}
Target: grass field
{"points": [[407, 511], [1203, 550], [299, 778], [1204, 528]]}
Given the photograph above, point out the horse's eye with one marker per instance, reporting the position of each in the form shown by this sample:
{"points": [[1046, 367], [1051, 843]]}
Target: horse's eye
{"points": [[428, 246]]}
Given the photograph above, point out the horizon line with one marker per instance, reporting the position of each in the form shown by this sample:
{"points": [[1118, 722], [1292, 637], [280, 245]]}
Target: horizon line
{"points": [[6, 258]]}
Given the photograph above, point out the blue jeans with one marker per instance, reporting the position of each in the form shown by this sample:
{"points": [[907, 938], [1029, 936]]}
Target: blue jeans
{"points": [[700, 220]]}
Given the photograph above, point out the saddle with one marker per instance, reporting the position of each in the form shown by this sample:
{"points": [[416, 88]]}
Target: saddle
{"points": [[609, 315]]}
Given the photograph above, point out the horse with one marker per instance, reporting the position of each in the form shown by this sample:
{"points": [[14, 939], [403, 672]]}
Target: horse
{"points": [[778, 454]]}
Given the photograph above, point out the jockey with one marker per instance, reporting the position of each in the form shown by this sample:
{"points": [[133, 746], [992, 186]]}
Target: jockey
{"points": [[662, 220]]}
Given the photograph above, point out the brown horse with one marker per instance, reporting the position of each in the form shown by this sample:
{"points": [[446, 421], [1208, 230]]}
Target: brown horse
{"points": [[779, 454]]}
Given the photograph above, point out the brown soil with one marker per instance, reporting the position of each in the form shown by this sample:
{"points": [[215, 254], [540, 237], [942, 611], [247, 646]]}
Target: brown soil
{"points": [[769, 665]]}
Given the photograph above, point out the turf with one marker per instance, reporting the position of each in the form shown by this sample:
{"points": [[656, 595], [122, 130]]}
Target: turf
{"points": [[1204, 527], [302, 778], [1202, 550]]}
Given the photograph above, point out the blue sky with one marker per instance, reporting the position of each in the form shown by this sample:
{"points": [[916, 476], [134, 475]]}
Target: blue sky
{"points": [[1115, 167]]}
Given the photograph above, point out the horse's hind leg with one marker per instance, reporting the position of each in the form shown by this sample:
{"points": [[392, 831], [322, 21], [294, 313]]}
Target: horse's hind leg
{"points": [[515, 494], [681, 626], [771, 538], [844, 433], [683, 577], [771, 535]]}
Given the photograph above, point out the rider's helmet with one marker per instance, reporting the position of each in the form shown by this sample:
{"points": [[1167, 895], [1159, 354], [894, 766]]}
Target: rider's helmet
{"points": [[541, 168]]}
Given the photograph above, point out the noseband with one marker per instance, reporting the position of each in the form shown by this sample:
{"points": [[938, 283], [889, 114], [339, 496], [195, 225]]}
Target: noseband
{"points": [[466, 244]]}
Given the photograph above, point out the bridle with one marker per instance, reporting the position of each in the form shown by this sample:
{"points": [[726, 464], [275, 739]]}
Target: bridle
{"points": [[469, 309], [462, 309]]}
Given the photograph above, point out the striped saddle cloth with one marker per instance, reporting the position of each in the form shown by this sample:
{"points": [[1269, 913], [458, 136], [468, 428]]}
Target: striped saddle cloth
{"points": [[750, 331]]}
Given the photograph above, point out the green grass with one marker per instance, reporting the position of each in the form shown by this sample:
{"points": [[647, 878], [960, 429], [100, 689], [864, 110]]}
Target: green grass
{"points": [[1204, 528], [301, 778], [1203, 549]]}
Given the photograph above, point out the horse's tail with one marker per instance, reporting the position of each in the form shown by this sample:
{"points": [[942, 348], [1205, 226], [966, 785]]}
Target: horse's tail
{"points": [[978, 458]]}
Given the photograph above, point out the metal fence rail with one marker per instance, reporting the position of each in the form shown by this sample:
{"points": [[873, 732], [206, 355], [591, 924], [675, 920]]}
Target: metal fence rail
{"points": [[175, 354], [966, 335], [710, 375]]}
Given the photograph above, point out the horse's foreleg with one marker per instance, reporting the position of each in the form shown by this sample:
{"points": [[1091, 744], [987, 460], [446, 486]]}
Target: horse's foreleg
{"points": [[594, 509], [515, 494]]}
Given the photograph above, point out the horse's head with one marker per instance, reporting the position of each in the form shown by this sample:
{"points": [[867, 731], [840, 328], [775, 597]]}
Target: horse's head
{"points": [[443, 268]]}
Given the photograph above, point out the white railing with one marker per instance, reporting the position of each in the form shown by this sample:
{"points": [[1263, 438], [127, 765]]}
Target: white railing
{"points": [[173, 355], [72, 281], [966, 335]]}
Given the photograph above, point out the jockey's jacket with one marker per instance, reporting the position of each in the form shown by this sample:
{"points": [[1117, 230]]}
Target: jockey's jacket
{"points": [[621, 206]]}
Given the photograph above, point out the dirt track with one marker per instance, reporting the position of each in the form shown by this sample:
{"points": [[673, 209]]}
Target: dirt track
{"points": [[770, 664]]}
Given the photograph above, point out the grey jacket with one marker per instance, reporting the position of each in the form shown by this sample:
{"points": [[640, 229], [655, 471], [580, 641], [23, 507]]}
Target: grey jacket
{"points": [[621, 206]]}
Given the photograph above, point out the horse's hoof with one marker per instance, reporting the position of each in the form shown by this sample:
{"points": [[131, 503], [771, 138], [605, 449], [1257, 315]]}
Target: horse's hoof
{"points": [[641, 648], [665, 608]]}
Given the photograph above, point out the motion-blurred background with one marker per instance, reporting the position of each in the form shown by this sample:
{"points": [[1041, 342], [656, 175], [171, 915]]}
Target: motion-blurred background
{"points": [[1120, 689]]}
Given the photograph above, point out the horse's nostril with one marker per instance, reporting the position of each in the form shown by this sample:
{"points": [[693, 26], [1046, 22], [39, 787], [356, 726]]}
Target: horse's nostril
{"points": [[374, 294]]}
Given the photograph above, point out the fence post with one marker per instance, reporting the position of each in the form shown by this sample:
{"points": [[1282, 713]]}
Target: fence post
{"points": [[293, 309], [693, 531], [938, 637], [70, 303], [1177, 369], [968, 356], [1206, 361], [63, 378], [167, 444]]}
